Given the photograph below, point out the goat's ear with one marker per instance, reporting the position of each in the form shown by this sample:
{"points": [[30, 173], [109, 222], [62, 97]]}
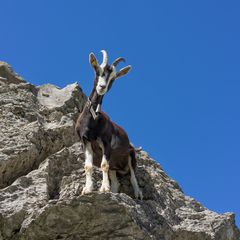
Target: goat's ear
{"points": [[124, 71], [93, 61]]}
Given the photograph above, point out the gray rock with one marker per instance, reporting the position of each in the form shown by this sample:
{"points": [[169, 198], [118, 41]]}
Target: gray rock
{"points": [[42, 175], [30, 128]]}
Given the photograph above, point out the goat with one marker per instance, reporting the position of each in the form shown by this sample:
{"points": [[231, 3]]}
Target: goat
{"points": [[106, 145]]}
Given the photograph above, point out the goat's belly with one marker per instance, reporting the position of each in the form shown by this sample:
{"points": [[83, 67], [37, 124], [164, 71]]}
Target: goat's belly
{"points": [[118, 158], [118, 161]]}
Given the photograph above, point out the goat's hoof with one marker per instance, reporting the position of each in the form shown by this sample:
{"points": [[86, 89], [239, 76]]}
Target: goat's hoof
{"points": [[138, 194], [104, 189], [86, 190]]}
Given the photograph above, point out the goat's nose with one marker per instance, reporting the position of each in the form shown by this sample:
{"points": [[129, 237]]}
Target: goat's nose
{"points": [[102, 85]]}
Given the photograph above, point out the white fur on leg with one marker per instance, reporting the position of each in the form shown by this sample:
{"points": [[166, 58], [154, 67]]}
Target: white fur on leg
{"points": [[137, 191], [114, 181], [88, 169], [105, 181]]}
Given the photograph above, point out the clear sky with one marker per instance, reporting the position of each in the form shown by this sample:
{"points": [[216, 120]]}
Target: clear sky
{"points": [[181, 100]]}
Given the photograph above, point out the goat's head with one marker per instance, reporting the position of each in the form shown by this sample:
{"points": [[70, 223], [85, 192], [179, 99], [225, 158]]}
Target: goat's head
{"points": [[105, 73]]}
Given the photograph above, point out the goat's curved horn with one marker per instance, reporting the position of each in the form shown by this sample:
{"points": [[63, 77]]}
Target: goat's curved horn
{"points": [[117, 61], [105, 58]]}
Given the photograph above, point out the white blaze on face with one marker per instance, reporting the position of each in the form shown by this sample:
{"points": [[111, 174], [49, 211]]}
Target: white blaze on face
{"points": [[104, 79]]}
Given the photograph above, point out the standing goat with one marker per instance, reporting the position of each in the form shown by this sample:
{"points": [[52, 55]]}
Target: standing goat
{"points": [[106, 145]]}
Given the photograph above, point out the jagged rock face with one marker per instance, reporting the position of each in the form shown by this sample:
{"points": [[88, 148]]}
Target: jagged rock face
{"points": [[42, 175], [30, 128]]}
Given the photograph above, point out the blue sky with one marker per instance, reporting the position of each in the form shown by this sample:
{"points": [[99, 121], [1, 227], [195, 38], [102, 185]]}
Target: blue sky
{"points": [[181, 100]]}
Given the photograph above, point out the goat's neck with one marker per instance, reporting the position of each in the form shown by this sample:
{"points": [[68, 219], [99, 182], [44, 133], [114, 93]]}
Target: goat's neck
{"points": [[95, 99]]}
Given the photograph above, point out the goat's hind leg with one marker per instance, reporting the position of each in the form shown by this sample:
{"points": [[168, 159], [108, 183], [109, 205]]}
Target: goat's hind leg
{"points": [[137, 191], [88, 168], [114, 181]]}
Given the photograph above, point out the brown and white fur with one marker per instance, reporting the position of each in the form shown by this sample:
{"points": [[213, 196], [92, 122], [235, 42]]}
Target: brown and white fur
{"points": [[106, 144]]}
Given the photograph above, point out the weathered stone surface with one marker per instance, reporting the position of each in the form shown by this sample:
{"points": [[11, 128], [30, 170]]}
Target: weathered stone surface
{"points": [[41, 176], [30, 128]]}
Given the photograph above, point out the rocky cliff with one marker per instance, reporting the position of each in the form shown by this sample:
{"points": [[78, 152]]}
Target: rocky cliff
{"points": [[41, 177]]}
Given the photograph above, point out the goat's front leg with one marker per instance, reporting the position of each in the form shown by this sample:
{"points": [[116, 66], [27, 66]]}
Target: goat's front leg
{"points": [[105, 187], [88, 168]]}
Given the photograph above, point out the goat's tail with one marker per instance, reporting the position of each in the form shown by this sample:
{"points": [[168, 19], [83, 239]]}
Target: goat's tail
{"points": [[133, 158]]}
